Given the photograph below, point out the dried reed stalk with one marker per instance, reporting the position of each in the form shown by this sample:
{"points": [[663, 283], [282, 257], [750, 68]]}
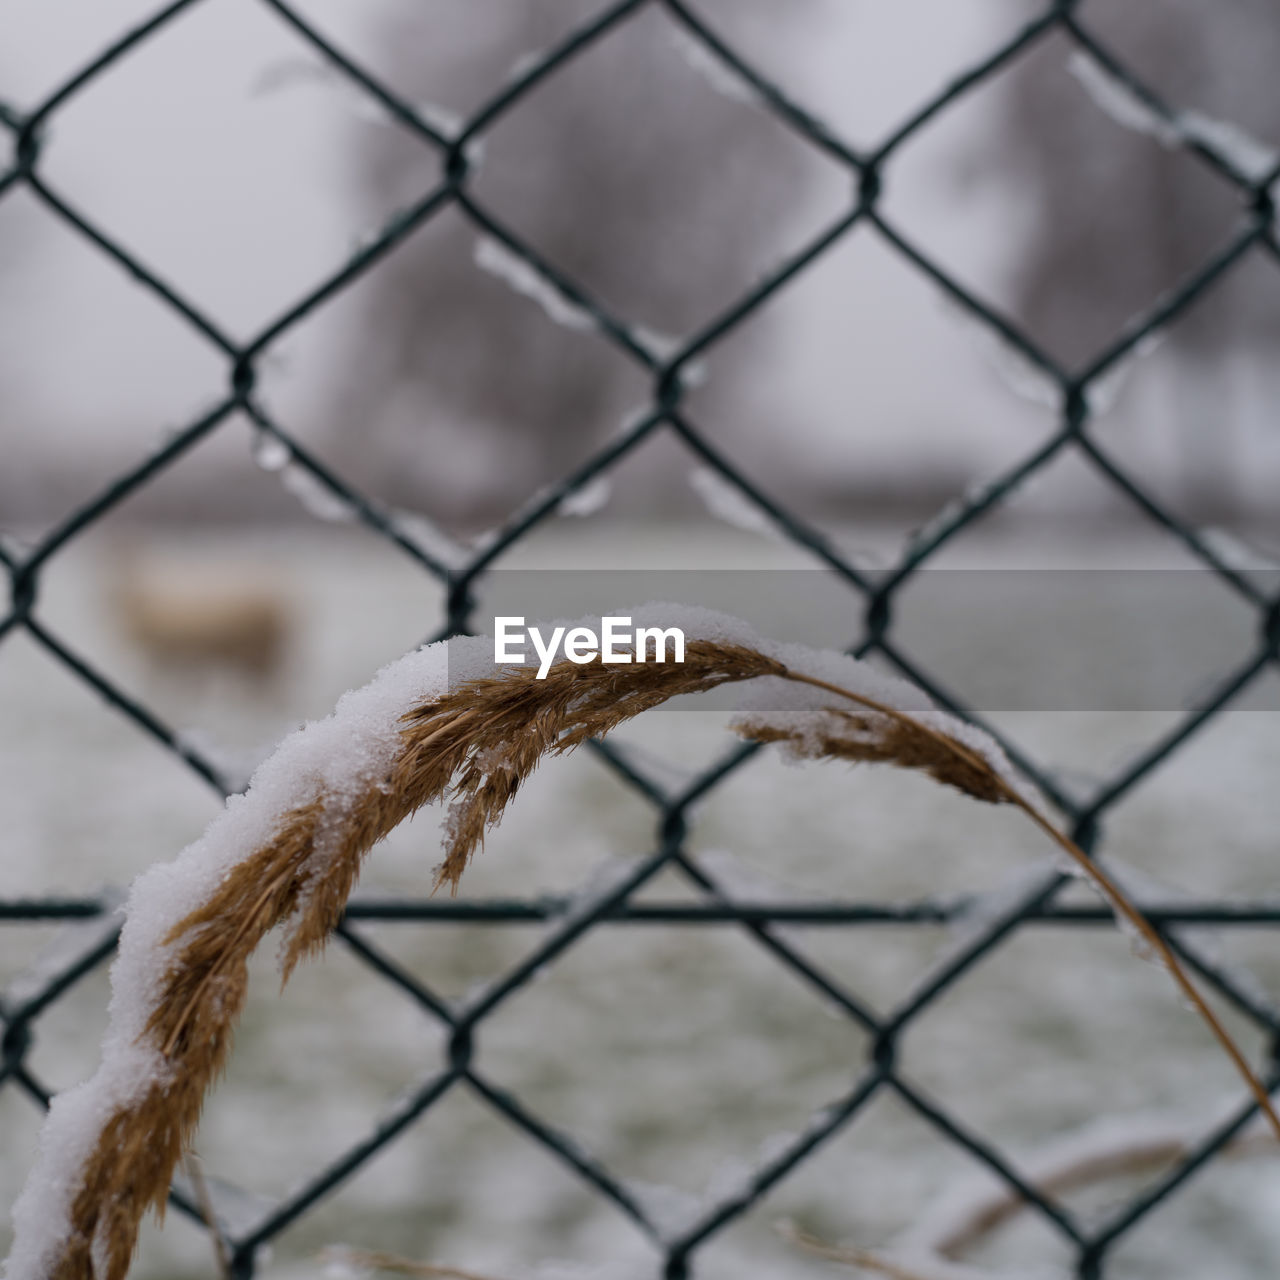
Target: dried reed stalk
{"points": [[194, 1170], [1003, 792], [863, 1259], [476, 744], [934, 1251], [1139, 1154]]}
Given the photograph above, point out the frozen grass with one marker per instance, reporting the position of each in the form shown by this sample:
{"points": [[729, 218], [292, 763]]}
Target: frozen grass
{"points": [[673, 1055]]}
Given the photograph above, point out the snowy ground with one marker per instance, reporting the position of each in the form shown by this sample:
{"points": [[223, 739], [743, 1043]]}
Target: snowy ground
{"points": [[675, 1056]]}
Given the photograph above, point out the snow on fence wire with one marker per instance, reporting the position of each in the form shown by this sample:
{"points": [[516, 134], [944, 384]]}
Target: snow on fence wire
{"points": [[502, 250]]}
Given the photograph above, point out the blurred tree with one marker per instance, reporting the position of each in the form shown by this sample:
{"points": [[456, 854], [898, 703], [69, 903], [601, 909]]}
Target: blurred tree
{"points": [[1115, 219], [627, 170]]}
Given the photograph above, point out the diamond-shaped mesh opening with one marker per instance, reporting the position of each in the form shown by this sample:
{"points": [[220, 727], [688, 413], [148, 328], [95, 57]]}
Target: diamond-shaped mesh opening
{"points": [[197, 123], [1131, 221], [95, 341], [717, 1029], [707, 232], [345, 1021], [930, 942], [1084, 1041]]}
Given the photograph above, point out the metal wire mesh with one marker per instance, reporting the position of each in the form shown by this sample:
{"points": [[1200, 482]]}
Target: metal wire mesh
{"points": [[1040, 903]]}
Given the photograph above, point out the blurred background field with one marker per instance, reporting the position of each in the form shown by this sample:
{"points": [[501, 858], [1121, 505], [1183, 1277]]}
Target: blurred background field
{"points": [[447, 390], [675, 1054]]}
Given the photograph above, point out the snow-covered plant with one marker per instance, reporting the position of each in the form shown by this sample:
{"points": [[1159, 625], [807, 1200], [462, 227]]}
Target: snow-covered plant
{"points": [[437, 725]]}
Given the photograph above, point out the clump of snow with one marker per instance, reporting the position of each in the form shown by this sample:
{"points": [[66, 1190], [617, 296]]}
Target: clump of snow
{"points": [[1018, 371], [1146, 893], [938, 523], [661, 346], [582, 502], [1103, 392], [14, 546], [447, 123], [361, 242], [524, 63], [735, 1180], [342, 1262], [1248, 156], [603, 881], [41, 1216], [1118, 99], [316, 496], [288, 73], [983, 910], [587, 500], [672, 1211], [429, 538], [742, 881], [269, 451], [1234, 551], [1251, 158], [727, 502], [723, 78], [803, 712], [168, 432], [974, 495], [283, 73], [775, 702], [1065, 865], [521, 275], [292, 73], [693, 374], [746, 881]]}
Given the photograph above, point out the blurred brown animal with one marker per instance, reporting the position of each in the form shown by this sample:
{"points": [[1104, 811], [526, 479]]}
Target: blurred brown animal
{"points": [[204, 620]]}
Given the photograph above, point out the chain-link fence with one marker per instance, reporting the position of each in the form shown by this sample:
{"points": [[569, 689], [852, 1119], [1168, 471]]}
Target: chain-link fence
{"points": [[464, 1067]]}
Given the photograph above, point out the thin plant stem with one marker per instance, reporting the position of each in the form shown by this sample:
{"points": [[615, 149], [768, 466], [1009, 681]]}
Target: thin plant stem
{"points": [[195, 1175], [1109, 888], [861, 1258]]}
